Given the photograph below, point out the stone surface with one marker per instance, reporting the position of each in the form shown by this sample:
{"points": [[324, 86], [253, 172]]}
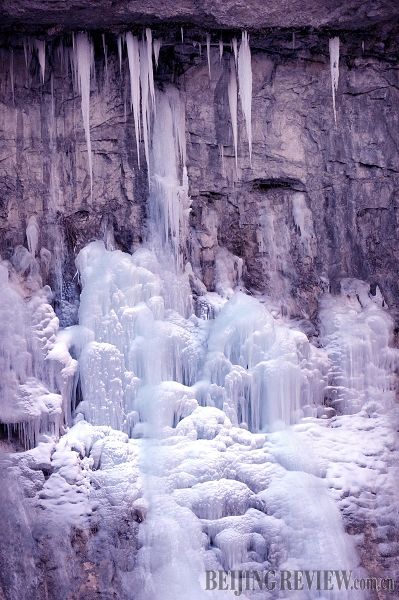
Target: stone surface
{"points": [[349, 14]]}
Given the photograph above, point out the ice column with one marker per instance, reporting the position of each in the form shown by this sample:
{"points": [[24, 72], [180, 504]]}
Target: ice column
{"points": [[245, 84], [84, 60], [168, 190], [334, 67]]}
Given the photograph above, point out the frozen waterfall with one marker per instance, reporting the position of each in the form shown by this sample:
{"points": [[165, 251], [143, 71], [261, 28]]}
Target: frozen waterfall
{"points": [[210, 426]]}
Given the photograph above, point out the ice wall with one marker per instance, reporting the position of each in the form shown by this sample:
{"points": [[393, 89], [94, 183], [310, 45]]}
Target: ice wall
{"points": [[358, 334], [30, 402]]}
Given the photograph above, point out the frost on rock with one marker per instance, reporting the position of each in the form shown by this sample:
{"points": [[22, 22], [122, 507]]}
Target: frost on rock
{"points": [[334, 68]]}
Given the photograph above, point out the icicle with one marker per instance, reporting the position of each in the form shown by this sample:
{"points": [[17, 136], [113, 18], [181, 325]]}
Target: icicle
{"points": [[182, 35], [27, 54], [148, 36], [363, 47], [105, 50], [235, 49], [220, 49], [334, 68], [119, 41], [232, 93], [12, 74], [41, 52], [157, 47], [208, 52], [245, 84], [133, 55], [221, 154], [52, 96], [145, 116], [83, 58]]}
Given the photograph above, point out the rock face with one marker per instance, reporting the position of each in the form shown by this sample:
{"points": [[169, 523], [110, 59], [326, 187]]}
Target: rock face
{"points": [[230, 13], [318, 204]]}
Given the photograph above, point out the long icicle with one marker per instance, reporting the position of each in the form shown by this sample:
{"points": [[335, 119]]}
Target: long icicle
{"points": [[148, 37], [245, 85], [220, 49], [232, 94], [334, 68], [84, 58], [119, 43], [145, 112], [133, 55], [105, 50], [235, 49], [208, 52], [12, 75]]}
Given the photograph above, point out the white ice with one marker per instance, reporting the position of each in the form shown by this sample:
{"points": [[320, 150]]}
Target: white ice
{"points": [[334, 69], [245, 86], [84, 63], [232, 95]]}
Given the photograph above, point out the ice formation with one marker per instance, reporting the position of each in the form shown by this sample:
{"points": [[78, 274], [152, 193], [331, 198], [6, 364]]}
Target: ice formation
{"points": [[40, 46], [157, 47], [334, 68], [234, 46], [12, 75], [29, 402], [245, 86], [84, 64], [105, 51], [208, 52], [232, 94], [119, 44], [221, 47], [32, 234], [226, 434], [133, 55]]}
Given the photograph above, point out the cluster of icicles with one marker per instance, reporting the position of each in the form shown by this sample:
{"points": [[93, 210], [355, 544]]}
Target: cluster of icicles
{"points": [[142, 54]]}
